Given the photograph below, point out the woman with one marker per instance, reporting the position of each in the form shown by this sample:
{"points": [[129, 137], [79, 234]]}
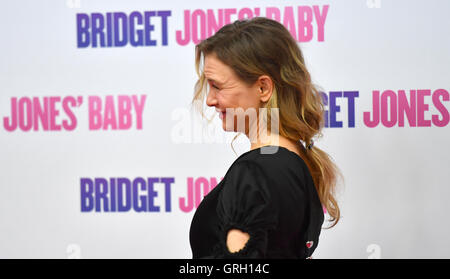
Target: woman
{"points": [[271, 201]]}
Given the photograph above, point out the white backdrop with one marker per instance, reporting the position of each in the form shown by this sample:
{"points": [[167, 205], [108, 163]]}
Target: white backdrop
{"points": [[57, 96]]}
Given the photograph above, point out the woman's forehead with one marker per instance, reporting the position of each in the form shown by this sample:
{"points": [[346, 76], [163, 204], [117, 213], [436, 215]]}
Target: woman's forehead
{"points": [[216, 71]]}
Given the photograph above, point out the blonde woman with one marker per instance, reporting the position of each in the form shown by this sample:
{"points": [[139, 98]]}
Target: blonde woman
{"points": [[271, 201]]}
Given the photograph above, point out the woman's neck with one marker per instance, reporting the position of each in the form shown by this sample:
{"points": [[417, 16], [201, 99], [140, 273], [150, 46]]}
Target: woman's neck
{"points": [[277, 140]]}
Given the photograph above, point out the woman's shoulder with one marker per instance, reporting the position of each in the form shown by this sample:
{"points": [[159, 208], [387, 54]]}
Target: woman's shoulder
{"points": [[275, 176], [276, 164]]}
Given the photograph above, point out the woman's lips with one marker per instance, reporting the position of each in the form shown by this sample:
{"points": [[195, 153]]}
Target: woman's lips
{"points": [[221, 113]]}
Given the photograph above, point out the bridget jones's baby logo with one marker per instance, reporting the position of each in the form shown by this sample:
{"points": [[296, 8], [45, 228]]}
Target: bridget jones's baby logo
{"points": [[151, 28], [389, 108], [55, 113], [141, 194]]}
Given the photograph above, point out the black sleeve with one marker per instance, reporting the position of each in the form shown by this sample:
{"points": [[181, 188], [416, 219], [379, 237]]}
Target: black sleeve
{"points": [[245, 204]]}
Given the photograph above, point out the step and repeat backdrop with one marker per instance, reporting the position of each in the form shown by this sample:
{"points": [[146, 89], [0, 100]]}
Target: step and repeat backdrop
{"points": [[102, 156]]}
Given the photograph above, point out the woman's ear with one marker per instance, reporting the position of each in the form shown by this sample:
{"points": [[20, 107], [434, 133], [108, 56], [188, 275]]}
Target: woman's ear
{"points": [[265, 88]]}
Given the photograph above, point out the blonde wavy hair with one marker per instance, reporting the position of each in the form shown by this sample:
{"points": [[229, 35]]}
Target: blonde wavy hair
{"points": [[261, 46]]}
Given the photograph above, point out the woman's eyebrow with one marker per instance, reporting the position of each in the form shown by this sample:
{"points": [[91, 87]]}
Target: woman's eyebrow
{"points": [[212, 80]]}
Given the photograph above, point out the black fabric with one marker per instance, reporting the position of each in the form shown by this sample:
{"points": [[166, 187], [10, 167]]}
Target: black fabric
{"points": [[269, 193]]}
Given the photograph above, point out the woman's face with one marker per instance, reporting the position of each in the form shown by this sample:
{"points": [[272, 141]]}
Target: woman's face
{"points": [[227, 93]]}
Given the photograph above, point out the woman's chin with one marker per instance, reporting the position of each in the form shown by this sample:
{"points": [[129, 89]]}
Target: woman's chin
{"points": [[224, 126]]}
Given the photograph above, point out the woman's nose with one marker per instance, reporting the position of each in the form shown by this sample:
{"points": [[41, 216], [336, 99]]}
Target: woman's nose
{"points": [[211, 99]]}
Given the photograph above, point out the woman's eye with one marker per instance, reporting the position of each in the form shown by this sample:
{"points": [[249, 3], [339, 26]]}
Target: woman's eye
{"points": [[215, 86]]}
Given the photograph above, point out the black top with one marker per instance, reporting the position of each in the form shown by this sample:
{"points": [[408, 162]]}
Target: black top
{"points": [[269, 193]]}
